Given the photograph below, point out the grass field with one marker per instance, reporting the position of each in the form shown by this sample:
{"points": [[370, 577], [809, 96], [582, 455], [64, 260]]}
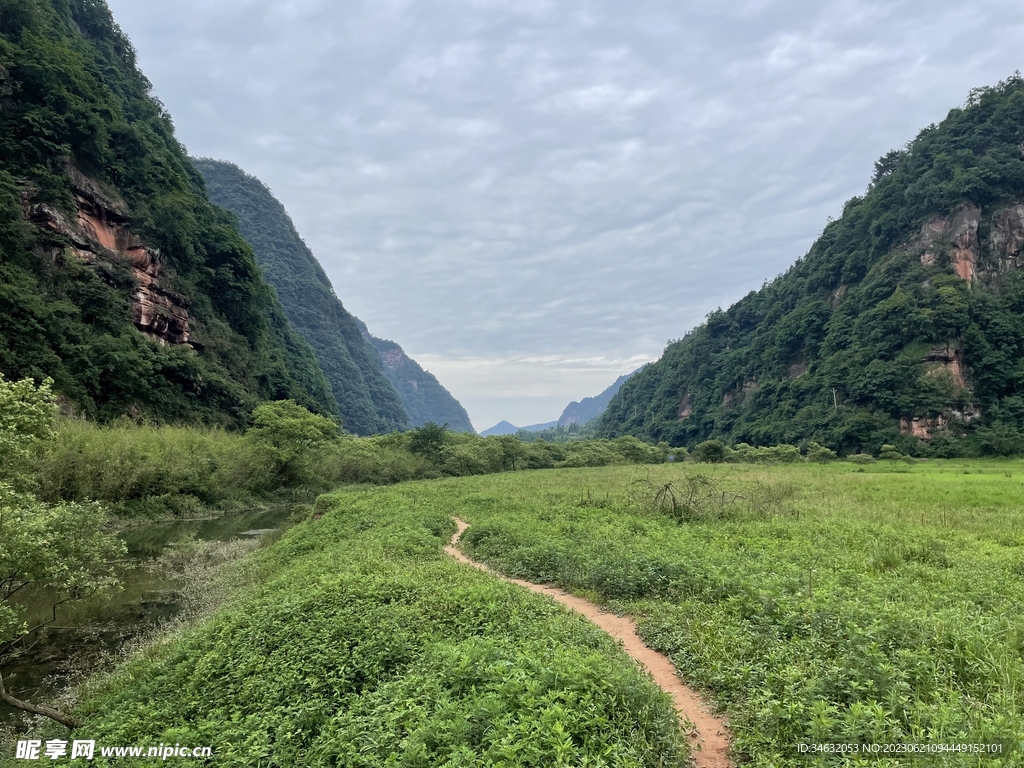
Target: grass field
{"points": [[840, 603], [359, 643], [879, 604]]}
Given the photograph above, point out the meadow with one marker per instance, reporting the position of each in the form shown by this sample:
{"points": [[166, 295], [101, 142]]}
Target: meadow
{"points": [[839, 602], [357, 642]]}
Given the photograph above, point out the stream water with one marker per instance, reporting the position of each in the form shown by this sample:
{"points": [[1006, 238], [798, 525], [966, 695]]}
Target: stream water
{"points": [[87, 629]]}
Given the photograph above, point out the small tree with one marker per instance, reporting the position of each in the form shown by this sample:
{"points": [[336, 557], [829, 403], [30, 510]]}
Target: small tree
{"points": [[61, 548], [429, 440], [890, 453], [709, 452], [820, 453], [291, 435]]}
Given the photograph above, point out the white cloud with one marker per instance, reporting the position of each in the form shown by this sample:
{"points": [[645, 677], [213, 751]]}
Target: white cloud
{"points": [[504, 186]]}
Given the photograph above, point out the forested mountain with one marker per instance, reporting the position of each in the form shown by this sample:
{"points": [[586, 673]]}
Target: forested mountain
{"points": [[589, 408], [368, 402], [118, 277], [423, 396], [903, 324]]}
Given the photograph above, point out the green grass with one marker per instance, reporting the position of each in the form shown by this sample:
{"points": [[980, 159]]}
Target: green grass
{"points": [[823, 603], [840, 603], [359, 643]]}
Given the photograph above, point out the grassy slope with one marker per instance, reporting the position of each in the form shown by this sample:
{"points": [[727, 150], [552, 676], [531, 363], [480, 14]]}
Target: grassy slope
{"points": [[361, 644]]}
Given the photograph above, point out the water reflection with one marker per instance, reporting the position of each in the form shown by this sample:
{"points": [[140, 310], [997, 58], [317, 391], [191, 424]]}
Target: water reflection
{"points": [[86, 629]]}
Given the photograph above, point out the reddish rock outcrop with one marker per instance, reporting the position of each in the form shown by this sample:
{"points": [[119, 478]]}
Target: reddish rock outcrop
{"points": [[946, 357], [924, 427], [955, 235], [100, 233]]}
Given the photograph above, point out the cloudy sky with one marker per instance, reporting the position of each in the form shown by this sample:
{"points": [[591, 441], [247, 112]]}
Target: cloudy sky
{"points": [[532, 196]]}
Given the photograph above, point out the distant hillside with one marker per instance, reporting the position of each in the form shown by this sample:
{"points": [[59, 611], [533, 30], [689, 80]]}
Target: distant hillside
{"points": [[423, 397], [903, 324], [505, 428], [366, 398], [589, 408], [118, 278]]}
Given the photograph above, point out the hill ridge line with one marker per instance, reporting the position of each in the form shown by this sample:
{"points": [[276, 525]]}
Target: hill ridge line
{"points": [[709, 739]]}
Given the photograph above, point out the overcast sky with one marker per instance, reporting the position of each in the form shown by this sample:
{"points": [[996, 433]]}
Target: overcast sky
{"points": [[531, 197]]}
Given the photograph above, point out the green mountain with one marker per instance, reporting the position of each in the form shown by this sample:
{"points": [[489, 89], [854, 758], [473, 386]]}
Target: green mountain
{"points": [[423, 396], [369, 403], [903, 324], [118, 277], [589, 408]]}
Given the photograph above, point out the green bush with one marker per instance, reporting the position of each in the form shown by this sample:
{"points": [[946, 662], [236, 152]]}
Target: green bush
{"points": [[709, 452]]}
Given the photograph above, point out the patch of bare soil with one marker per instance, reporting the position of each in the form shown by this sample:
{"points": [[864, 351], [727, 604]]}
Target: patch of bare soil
{"points": [[709, 737]]}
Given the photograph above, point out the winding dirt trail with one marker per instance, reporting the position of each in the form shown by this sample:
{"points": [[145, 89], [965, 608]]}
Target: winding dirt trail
{"points": [[709, 740]]}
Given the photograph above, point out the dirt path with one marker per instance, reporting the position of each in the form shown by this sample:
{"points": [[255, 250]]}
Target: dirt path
{"points": [[709, 741]]}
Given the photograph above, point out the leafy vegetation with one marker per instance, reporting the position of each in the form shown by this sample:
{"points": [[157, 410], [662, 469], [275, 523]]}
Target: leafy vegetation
{"points": [[361, 644], [368, 402], [60, 547], [75, 110], [288, 452], [816, 603], [836, 350]]}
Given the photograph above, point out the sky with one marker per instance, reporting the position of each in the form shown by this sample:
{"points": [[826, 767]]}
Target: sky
{"points": [[533, 197]]}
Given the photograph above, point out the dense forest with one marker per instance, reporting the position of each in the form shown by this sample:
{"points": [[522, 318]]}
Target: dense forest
{"points": [[903, 324], [369, 403], [119, 279]]}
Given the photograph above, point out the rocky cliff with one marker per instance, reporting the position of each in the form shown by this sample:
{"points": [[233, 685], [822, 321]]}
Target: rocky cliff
{"points": [[423, 396], [903, 324], [119, 279]]}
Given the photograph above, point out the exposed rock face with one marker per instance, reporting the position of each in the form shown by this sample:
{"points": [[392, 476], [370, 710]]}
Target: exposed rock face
{"points": [[946, 357], [924, 427], [942, 358], [685, 406], [100, 233], [1006, 240], [955, 235], [737, 396]]}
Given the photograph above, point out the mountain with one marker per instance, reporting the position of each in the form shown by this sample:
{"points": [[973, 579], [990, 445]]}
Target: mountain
{"points": [[903, 324], [368, 401], [589, 408], [423, 397], [504, 428], [119, 279]]}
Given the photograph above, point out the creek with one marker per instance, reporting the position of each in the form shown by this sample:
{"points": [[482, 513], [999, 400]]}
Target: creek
{"points": [[86, 630]]}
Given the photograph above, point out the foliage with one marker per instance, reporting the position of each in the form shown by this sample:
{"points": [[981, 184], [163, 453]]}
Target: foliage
{"points": [[160, 470], [61, 548], [363, 645], [709, 452], [368, 402], [76, 111], [835, 349], [291, 436], [820, 453]]}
